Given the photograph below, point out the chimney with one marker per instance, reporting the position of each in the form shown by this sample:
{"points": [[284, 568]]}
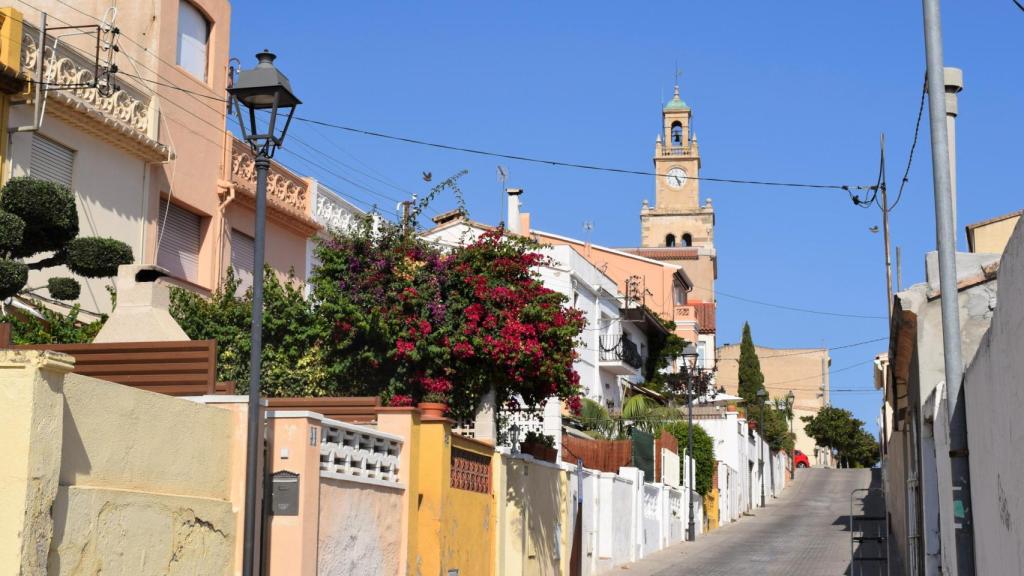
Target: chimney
{"points": [[142, 312], [953, 78], [514, 224]]}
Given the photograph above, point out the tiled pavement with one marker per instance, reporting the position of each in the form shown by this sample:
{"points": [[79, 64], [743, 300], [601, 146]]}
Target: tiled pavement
{"points": [[803, 532]]}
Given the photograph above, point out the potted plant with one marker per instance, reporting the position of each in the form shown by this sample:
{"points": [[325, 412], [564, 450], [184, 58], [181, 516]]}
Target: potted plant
{"points": [[433, 405], [540, 446]]}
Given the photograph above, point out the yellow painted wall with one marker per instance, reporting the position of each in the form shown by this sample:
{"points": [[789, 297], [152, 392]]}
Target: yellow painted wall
{"points": [[711, 519], [533, 527], [455, 528], [111, 479]]}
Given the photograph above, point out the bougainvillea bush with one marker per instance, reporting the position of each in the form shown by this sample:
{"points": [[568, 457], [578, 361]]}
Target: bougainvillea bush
{"points": [[411, 321]]}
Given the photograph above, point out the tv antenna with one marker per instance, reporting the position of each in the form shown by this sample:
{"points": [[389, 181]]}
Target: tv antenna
{"points": [[502, 180]]}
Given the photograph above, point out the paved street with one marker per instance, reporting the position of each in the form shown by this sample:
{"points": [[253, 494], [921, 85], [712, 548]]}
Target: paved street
{"points": [[804, 532]]}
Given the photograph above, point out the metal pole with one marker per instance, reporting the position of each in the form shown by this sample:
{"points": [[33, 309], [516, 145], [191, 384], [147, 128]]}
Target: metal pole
{"points": [[885, 237], [959, 465], [760, 450], [691, 531], [254, 444], [792, 455], [771, 461]]}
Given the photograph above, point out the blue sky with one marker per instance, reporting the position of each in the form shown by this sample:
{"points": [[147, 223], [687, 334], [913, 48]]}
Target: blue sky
{"points": [[780, 91]]}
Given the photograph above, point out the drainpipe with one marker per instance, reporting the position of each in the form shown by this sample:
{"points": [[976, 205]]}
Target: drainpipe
{"points": [[513, 209]]}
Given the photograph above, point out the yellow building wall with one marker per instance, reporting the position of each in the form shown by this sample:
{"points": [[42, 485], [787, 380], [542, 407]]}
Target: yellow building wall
{"points": [[455, 528], [110, 479], [711, 516], [533, 534]]}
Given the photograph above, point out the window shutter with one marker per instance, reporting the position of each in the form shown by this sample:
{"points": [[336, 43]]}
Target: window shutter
{"points": [[51, 161], [243, 251], [178, 231], [193, 37]]}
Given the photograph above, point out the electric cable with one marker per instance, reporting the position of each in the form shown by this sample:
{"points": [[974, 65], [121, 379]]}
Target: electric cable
{"points": [[913, 146], [564, 164]]}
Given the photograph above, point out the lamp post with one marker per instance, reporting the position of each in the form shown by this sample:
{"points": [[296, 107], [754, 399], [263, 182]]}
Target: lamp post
{"points": [[262, 88], [690, 365], [792, 416], [761, 397]]}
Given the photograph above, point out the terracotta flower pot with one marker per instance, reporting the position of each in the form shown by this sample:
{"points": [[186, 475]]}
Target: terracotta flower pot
{"points": [[433, 409]]}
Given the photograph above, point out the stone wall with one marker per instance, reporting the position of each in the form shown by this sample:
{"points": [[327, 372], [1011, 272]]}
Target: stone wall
{"points": [[995, 401]]}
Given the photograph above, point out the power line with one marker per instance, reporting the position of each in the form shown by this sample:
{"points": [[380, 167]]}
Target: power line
{"points": [[570, 164], [798, 309], [817, 350], [913, 146]]}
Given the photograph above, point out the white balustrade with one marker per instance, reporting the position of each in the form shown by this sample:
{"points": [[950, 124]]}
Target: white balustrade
{"points": [[351, 452]]}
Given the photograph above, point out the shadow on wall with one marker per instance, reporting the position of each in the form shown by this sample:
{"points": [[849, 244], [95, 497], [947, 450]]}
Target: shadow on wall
{"points": [[535, 491], [869, 523]]}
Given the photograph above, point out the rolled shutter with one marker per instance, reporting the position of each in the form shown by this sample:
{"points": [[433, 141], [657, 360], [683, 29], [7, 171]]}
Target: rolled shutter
{"points": [[179, 233], [243, 252], [51, 161]]}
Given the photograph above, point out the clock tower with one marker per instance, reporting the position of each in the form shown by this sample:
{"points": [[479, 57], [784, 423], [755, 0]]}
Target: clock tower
{"points": [[677, 218]]}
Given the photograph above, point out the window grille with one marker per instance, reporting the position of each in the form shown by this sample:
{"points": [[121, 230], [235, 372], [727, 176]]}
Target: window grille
{"points": [[470, 471]]}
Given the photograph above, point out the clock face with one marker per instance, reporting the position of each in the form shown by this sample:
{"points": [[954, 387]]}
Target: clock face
{"points": [[676, 177]]}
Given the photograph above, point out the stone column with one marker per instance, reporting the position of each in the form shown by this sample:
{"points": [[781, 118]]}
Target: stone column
{"points": [[405, 422], [31, 393], [294, 448]]}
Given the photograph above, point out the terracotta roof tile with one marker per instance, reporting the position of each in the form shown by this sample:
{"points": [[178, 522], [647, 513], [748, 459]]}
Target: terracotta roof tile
{"points": [[705, 312], [665, 253]]}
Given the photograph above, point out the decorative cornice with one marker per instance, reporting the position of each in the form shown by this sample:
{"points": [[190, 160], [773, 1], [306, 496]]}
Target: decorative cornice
{"points": [[122, 119], [287, 194]]}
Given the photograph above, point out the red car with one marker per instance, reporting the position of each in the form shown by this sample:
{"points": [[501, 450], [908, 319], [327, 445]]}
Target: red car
{"points": [[800, 459]]}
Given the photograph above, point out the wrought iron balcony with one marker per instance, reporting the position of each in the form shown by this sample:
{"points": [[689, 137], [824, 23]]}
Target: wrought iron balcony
{"points": [[617, 350]]}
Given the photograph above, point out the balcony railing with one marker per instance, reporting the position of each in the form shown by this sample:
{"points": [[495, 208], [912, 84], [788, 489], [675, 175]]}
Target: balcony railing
{"points": [[619, 348], [675, 150]]}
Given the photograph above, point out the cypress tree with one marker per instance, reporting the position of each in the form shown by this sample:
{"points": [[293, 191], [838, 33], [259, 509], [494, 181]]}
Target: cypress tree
{"points": [[750, 377]]}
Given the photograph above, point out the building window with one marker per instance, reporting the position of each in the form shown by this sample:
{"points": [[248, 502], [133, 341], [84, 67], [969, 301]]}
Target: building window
{"points": [[670, 240], [678, 295], [178, 241], [193, 39], [243, 253], [51, 161], [677, 134], [701, 347], [687, 240]]}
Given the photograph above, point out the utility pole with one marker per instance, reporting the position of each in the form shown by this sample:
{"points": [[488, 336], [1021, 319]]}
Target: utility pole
{"points": [[945, 233], [953, 81], [885, 236], [406, 209]]}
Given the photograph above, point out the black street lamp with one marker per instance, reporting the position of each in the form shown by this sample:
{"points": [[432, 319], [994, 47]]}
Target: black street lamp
{"points": [[262, 88], [792, 415], [761, 397], [690, 366]]}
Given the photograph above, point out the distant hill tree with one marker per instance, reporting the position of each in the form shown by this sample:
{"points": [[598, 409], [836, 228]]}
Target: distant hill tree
{"points": [[836, 428]]}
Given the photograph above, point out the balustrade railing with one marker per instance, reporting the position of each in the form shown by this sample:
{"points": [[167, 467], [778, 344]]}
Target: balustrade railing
{"points": [[351, 452], [70, 74]]}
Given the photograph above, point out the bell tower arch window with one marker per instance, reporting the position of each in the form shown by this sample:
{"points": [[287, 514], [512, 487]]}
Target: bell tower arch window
{"points": [[670, 240], [687, 239], [676, 134]]}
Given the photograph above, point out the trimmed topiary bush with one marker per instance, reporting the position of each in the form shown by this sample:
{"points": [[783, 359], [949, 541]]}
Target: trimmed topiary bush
{"points": [[48, 210], [13, 275], [97, 257], [12, 230], [38, 217], [64, 288]]}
